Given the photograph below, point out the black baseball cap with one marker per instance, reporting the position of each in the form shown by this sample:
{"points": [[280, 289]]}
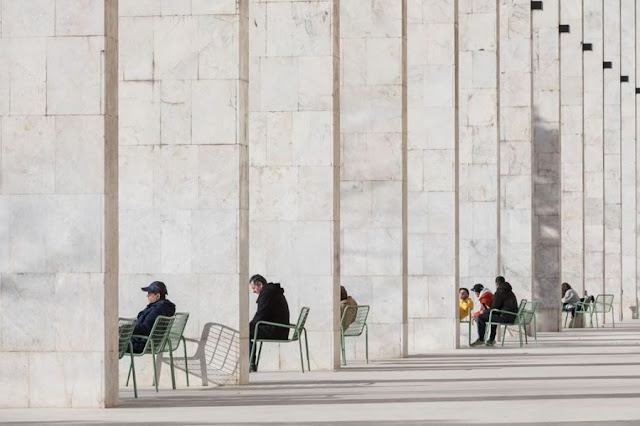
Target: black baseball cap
{"points": [[477, 288], [156, 287]]}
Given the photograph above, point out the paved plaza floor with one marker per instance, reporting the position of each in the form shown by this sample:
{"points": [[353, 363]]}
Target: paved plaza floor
{"points": [[586, 376]]}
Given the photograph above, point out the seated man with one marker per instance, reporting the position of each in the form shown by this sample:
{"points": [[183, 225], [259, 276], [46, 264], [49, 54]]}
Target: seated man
{"points": [[273, 307], [158, 305], [465, 304], [485, 297], [504, 300], [346, 300]]}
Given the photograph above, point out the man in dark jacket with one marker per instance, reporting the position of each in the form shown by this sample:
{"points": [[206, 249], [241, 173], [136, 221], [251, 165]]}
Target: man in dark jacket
{"points": [[272, 307], [505, 300], [158, 305]]}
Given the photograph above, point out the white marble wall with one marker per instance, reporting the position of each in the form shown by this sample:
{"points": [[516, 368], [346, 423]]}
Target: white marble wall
{"points": [[628, 154], [371, 194], [58, 203], [546, 158], [431, 170], [515, 145], [295, 168], [612, 150], [478, 177], [571, 147], [184, 162], [593, 149]]}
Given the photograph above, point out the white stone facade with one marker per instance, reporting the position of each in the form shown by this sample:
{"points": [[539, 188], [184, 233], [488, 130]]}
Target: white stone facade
{"points": [[401, 148]]}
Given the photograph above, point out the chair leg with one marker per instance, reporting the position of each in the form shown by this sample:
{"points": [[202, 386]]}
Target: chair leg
{"points": [[253, 350], [301, 358], [521, 328], [535, 329], [366, 342], [613, 318], [526, 339], [132, 368], [173, 374], [155, 370], [504, 333], [186, 364], [566, 317], [306, 345], [259, 353], [342, 351], [469, 330], [129, 375]]}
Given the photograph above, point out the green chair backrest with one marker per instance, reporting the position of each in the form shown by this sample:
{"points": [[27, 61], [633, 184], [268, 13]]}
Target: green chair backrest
{"points": [[159, 334], [125, 331], [302, 319], [177, 328], [527, 311], [357, 326], [603, 303]]}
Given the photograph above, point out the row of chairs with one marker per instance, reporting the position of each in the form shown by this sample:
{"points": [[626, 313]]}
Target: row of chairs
{"points": [[525, 317], [603, 304], [167, 334]]}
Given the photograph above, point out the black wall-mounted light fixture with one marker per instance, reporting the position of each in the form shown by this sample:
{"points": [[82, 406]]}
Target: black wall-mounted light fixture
{"points": [[536, 5], [624, 79], [587, 46], [565, 28], [607, 65]]}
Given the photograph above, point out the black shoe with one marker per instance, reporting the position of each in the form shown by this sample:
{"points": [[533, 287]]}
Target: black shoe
{"points": [[477, 343], [253, 368], [490, 343]]}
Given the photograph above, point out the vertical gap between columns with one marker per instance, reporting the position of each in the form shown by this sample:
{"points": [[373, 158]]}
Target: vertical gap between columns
{"points": [[499, 137], [405, 250], [456, 148]]}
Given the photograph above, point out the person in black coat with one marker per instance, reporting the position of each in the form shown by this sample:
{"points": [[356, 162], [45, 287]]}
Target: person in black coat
{"points": [[272, 307], [505, 300], [158, 305]]}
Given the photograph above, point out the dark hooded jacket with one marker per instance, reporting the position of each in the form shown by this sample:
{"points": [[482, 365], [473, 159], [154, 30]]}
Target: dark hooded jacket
{"points": [[146, 319], [505, 300], [273, 307]]}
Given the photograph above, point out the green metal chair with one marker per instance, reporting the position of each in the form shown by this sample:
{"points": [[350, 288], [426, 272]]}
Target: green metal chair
{"points": [[125, 331], [298, 330], [583, 308], [155, 343], [524, 317], [355, 329], [602, 305], [173, 341]]}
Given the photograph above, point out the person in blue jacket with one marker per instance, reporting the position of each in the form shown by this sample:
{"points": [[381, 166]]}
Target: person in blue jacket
{"points": [[158, 305]]}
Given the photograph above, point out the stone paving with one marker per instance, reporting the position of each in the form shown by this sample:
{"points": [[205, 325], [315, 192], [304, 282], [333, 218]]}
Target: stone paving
{"points": [[584, 376]]}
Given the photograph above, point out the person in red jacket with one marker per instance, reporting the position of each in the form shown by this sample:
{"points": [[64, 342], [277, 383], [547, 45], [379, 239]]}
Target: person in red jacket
{"points": [[485, 297]]}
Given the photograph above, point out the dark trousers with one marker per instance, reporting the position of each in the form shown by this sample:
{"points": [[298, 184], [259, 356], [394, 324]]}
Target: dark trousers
{"points": [[484, 318], [571, 309], [266, 332]]}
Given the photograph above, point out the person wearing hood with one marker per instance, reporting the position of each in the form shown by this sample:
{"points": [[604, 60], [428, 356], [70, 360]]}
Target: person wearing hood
{"points": [[485, 297], [346, 300], [504, 300], [272, 307], [158, 305]]}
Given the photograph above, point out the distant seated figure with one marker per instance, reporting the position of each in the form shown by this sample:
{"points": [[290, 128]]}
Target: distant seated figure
{"points": [[346, 300], [465, 304], [504, 300], [158, 305], [485, 297], [570, 298], [272, 307]]}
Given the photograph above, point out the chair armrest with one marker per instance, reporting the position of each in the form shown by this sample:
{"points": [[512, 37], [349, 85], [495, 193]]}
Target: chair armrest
{"points": [[275, 324], [500, 311]]}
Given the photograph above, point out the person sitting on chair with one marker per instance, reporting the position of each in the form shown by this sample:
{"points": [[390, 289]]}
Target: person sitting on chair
{"points": [[569, 299], [272, 307], [158, 305], [504, 300], [465, 304], [346, 300], [485, 297]]}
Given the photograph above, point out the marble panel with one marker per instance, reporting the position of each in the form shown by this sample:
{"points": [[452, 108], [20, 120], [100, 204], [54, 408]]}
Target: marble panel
{"points": [[315, 83], [386, 115], [79, 154], [442, 296], [355, 109], [175, 47], [438, 86], [432, 333], [79, 17], [479, 114], [439, 251], [218, 179], [280, 234], [415, 170], [355, 204], [222, 129], [484, 149], [311, 137], [386, 204], [418, 296], [28, 155], [140, 241], [135, 171], [478, 182], [218, 7], [175, 176], [14, 367], [353, 61], [175, 241], [276, 193], [74, 86], [312, 27], [484, 220], [384, 254], [210, 287], [313, 258], [440, 43], [175, 112], [214, 241], [34, 18], [353, 248], [139, 8], [22, 293], [383, 61], [315, 198], [385, 340], [171, 7], [440, 218], [415, 254], [516, 192], [477, 32], [218, 42], [387, 298], [139, 124], [279, 144]]}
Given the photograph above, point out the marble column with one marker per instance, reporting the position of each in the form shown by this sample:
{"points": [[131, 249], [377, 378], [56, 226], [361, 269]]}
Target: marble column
{"points": [[571, 147], [478, 142], [295, 163], [546, 164], [593, 173], [59, 203], [612, 165], [184, 163], [515, 145], [629, 302], [431, 113], [372, 187]]}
